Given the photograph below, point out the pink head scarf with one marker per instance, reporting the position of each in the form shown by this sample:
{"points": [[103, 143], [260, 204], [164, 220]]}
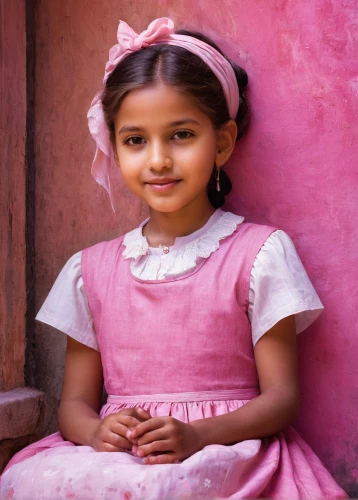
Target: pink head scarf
{"points": [[160, 31]]}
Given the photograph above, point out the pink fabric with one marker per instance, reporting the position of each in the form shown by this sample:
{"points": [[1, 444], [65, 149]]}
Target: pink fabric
{"points": [[146, 315], [179, 347], [160, 31]]}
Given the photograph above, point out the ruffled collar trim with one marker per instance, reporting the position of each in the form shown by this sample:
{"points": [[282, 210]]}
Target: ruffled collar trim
{"points": [[201, 243]]}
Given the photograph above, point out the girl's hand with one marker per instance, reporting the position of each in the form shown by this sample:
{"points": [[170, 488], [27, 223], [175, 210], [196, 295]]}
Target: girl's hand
{"points": [[164, 440], [110, 434]]}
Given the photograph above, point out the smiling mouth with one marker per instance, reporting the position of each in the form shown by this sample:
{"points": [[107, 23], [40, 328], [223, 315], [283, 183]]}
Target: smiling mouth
{"points": [[163, 184]]}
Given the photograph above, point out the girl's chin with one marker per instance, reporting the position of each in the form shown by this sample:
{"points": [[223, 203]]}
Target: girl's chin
{"points": [[165, 208], [168, 205]]}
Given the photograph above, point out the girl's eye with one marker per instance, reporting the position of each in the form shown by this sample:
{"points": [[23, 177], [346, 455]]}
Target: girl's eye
{"points": [[134, 141], [182, 134]]}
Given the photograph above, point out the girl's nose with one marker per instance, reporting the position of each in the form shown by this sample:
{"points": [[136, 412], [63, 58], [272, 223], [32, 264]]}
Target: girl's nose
{"points": [[159, 157]]}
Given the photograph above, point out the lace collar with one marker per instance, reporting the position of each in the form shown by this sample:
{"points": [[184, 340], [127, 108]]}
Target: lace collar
{"points": [[201, 243]]}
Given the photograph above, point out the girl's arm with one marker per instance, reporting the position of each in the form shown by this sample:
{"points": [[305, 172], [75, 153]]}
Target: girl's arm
{"points": [[81, 393], [278, 404], [78, 417], [275, 408]]}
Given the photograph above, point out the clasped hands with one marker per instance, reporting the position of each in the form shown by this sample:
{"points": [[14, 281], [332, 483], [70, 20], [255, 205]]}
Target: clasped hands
{"points": [[158, 440]]}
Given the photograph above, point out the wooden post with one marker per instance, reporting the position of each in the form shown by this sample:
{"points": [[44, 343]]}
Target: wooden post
{"points": [[12, 193]]}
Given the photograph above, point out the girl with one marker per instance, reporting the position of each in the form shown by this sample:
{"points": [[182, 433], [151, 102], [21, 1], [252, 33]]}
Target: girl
{"points": [[190, 319]]}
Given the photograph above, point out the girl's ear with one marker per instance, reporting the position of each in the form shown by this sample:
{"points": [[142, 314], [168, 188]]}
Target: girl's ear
{"points": [[225, 143]]}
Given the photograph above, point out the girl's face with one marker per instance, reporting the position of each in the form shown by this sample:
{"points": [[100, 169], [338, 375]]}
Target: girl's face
{"points": [[165, 147]]}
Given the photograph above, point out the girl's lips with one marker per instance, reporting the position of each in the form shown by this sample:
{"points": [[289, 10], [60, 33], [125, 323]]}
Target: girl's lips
{"points": [[163, 186]]}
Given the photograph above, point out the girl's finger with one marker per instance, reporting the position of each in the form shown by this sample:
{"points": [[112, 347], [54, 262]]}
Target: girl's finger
{"points": [[144, 413], [153, 447], [149, 437], [168, 458], [119, 429], [149, 425], [127, 420], [108, 447], [118, 441]]}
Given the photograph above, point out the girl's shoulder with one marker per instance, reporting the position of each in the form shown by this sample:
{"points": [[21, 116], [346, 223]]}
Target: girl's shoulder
{"points": [[98, 258], [280, 287], [250, 237], [101, 252]]}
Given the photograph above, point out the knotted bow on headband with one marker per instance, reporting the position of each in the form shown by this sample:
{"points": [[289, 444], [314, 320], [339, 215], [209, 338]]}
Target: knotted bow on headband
{"points": [[160, 31]]}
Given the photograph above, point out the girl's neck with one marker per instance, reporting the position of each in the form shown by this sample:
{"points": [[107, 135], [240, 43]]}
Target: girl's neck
{"points": [[164, 227]]}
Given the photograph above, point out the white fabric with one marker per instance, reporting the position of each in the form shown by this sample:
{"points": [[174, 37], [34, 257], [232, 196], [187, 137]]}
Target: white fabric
{"points": [[150, 263], [279, 285], [66, 307]]}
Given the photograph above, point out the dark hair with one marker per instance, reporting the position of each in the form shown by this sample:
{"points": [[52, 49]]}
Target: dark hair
{"points": [[187, 72]]}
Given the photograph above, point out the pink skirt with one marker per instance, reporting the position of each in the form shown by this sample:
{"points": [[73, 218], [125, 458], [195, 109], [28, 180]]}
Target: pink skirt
{"points": [[279, 467]]}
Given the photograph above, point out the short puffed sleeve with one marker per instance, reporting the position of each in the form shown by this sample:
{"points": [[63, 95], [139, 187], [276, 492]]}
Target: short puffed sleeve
{"points": [[66, 307], [280, 287]]}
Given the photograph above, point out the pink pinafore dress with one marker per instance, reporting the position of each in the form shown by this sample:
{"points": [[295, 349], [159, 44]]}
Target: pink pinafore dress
{"points": [[179, 347]]}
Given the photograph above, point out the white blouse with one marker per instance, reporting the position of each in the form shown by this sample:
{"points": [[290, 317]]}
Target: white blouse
{"points": [[279, 285]]}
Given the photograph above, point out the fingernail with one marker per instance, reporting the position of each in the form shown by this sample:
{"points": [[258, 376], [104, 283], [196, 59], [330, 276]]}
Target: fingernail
{"points": [[140, 453]]}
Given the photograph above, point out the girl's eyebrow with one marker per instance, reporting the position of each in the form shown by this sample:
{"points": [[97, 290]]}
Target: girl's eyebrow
{"points": [[130, 128], [177, 123]]}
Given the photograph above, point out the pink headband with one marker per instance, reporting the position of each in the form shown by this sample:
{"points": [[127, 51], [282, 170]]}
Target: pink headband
{"points": [[160, 31]]}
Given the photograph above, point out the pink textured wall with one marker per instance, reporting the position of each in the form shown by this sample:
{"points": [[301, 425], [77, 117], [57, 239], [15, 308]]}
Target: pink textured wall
{"points": [[296, 169]]}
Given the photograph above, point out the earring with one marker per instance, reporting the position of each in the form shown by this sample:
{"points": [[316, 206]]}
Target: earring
{"points": [[217, 177]]}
